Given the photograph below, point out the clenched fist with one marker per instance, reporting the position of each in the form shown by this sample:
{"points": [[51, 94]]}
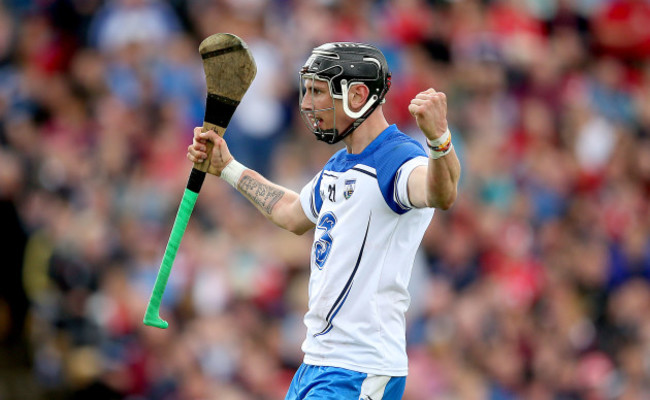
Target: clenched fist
{"points": [[430, 111], [197, 152]]}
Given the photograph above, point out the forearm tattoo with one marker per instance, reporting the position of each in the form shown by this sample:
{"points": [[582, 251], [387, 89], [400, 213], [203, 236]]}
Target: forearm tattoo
{"points": [[261, 194]]}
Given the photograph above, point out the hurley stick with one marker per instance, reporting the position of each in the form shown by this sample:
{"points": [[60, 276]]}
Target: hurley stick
{"points": [[229, 70]]}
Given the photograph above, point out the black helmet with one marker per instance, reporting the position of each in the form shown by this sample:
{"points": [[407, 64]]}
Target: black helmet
{"points": [[343, 65]]}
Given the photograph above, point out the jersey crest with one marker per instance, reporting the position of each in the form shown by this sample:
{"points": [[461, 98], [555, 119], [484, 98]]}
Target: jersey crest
{"points": [[350, 185]]}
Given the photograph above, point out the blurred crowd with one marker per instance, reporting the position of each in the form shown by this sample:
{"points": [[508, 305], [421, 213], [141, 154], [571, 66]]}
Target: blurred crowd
{"points": [[535, 285]]}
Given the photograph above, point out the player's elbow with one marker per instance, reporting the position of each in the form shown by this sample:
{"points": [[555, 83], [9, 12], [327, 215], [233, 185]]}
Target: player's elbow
{"points": [[443, 202], [299, 231], [297, 228], [446, 205], [449, 200]]}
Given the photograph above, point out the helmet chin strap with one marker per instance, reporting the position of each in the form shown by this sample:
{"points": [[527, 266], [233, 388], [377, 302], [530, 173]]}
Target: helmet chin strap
{"points": [[346, 106]]}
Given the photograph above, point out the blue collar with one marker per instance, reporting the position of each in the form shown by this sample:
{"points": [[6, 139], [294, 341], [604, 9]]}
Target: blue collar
{"points": [[374, 145]]}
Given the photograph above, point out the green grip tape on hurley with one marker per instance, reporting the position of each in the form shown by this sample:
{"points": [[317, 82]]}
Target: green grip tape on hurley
{"points": [[152, 317]]}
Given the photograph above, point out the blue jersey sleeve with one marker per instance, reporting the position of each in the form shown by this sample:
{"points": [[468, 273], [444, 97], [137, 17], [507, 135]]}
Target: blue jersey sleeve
{"points": [[388, 161]]}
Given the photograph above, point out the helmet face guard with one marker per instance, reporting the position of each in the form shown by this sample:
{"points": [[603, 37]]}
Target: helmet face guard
{"points": [[311, 116], [343, 65]]}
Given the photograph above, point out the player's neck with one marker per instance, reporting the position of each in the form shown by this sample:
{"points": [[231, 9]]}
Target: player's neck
{"points": [[368, 131]]}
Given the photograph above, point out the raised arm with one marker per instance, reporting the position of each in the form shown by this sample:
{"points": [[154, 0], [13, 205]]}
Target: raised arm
{"points": [[280, 205], [435, 185]]}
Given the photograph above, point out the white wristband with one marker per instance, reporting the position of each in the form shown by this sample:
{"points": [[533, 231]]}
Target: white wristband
{"points": [[441, 140], [232, 173]]}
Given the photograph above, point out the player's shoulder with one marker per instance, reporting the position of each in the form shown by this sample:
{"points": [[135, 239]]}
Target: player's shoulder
{"points": [[396, 144], [395, 150]]}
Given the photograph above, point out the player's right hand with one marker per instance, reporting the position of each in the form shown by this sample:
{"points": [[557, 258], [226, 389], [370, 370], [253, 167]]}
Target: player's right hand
{"points": [[198, 151]]}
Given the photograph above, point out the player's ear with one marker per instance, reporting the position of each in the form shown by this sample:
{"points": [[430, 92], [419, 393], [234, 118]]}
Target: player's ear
{"points": [[357, 96]]}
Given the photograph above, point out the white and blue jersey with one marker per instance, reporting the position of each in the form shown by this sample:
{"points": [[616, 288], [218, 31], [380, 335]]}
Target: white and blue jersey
{"points": [[366, 237]]}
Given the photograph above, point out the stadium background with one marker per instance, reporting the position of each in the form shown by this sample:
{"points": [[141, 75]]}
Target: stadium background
{"points": [[533, 286]]}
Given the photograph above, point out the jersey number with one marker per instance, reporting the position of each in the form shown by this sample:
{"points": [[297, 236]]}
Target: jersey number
{"points": [[331, 193], [323, 245]]}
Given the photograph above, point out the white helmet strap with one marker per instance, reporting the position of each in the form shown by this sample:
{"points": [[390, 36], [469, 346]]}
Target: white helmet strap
{"points": [[346, 106]]}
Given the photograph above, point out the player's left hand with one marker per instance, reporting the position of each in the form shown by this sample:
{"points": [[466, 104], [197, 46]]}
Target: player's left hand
{"points": [[430, 111]]}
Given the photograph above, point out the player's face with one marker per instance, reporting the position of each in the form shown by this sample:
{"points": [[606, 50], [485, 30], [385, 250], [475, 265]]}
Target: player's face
{"points": [[317, 99]]}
